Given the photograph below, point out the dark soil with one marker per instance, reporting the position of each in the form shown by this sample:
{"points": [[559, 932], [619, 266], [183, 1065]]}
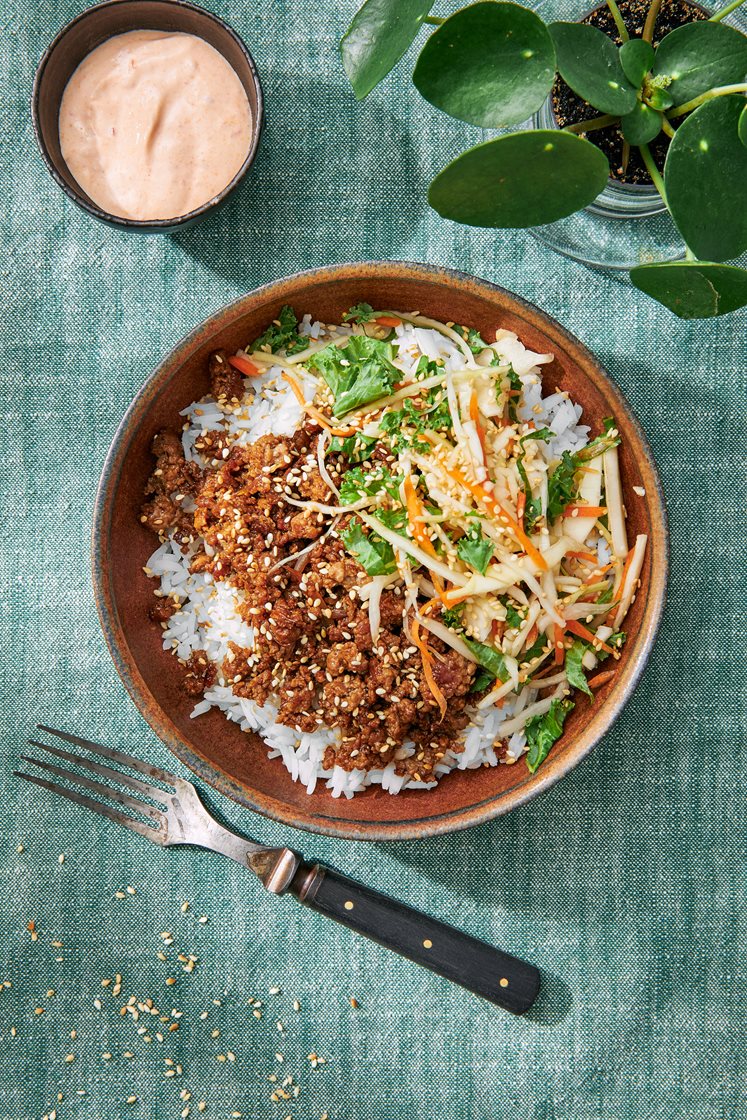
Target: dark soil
{"points": [[568, 108]]}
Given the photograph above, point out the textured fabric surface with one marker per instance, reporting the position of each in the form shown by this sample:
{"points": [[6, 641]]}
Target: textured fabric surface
{"points": [[625, 882]]}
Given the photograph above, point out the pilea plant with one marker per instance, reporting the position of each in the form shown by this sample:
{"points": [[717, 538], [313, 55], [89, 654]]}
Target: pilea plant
{"points": [[494, 63]]}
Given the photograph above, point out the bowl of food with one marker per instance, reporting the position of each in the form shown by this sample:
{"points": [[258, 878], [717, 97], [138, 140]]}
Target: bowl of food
{"points": [[369, 542], [148, 113]]}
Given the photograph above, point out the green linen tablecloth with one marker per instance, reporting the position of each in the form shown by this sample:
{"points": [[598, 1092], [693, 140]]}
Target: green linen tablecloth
{"points": [[625, 882]]}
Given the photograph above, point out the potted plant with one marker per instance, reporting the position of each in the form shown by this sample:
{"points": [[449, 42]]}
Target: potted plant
{"points": [[676, 104]]}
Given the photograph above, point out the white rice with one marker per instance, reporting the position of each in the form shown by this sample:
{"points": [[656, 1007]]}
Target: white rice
{"points": [[208, 618]]}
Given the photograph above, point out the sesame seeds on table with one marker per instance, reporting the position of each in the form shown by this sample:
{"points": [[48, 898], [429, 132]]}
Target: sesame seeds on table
{"points": [[143, 1023]]}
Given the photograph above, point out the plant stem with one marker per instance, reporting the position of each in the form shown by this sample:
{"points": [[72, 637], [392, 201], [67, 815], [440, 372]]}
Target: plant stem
{"points": [[592, 124], [717, 16], [620, 22], [625, 157], [667, 128], [648, 27], [654, 172], [689, 254], [717, 91], [437, 21]]}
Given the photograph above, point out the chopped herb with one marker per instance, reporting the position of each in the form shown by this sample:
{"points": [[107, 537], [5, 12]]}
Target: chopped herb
{"points": [[472, 337], [282, 334], [601, 443], [375, 556], [543, 731], [359, 483], [475, 549], [356, 449], [513, 618], [561, 486], [533, 504], [574, 668], [606, 596], [537, 649], [451, 616], [360, 313], [357, 373], [403, 425], [515, 389]]}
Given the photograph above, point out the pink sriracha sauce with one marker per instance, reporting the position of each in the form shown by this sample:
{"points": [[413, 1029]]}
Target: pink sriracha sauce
{"points": [[154, 124]]}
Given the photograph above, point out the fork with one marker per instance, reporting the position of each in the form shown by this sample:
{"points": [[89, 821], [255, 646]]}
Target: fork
{"points": [[177, 816]]}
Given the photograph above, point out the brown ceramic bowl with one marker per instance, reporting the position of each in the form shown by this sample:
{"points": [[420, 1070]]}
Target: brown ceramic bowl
{"points": [[216, 750]]}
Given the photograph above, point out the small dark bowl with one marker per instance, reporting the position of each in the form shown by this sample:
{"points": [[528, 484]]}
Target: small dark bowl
{"points": [[236, 763], [115, 17]]}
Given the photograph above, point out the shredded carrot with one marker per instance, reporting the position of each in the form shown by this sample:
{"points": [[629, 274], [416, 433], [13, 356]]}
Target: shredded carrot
{"points": [[486, 499], [584, 511], [582, 631], [322, 420], [559, 643], [532, 635], [626, 568], [388, 321], [427, 660], [590, 556], [243, 365], [601, 678], [497, 629]]}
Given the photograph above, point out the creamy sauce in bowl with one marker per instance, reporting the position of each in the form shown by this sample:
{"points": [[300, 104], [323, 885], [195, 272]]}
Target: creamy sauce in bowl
{"points": [[154, 124]]}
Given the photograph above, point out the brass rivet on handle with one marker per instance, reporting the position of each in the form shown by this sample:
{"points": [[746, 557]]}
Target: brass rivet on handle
{"points": [[348, 905], [427, 944], [503, 982]]}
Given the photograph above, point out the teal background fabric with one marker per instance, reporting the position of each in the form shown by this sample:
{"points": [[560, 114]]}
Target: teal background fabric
{"points": [[625, 882]]}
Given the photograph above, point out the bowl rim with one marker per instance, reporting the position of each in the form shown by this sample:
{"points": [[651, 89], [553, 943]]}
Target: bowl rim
{"points": [[415, 827], [77, 195]]}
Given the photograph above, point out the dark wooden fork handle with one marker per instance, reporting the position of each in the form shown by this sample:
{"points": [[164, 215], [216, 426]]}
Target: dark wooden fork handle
{"points": [[496, 976]]}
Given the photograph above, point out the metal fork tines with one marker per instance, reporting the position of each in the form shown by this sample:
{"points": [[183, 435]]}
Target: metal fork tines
{"points": [[165, 816]]}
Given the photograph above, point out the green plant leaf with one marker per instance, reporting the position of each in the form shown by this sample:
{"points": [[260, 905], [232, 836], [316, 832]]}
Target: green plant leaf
{"points": [[636, 59], [698, 56], [742, 126], [659, 98], [491, 64], [589, 62], [378, 36], [705, 176], [525, 179], [642, 125], [694, 289]]}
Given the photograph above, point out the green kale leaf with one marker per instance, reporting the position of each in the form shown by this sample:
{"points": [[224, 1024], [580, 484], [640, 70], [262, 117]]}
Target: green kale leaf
{"points": [[375, 556], [282, 334], [575, 670], [360, 313], [543, 731], [357, 373], [488, 658], [475, 549]]}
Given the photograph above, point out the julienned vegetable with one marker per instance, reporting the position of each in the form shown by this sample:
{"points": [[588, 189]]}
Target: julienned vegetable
{"points": [[505, 541], [494, 63]]}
